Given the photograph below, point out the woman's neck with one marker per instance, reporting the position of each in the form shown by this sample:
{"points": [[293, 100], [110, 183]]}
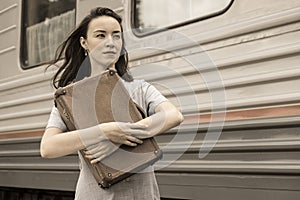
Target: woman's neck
{"points": [[97, 68]]}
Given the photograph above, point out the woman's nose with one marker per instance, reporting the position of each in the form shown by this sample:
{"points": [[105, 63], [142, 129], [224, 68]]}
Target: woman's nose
{"points": [[110, 42]]}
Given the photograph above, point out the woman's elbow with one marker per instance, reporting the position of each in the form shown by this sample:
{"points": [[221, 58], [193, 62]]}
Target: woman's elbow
{"points": [[48, 144], [45, 151], [181, 117], [178, 117]]}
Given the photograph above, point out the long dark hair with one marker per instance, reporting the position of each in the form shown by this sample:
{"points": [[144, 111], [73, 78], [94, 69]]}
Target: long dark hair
{"points": [[74, 54]]}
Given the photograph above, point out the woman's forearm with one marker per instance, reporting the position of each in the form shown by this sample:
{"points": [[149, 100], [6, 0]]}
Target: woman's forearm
{"points": [[56, 144], [163, 120]]}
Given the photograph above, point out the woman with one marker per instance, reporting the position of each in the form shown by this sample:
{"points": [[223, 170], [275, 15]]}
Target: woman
{"points": [[98, 41]]}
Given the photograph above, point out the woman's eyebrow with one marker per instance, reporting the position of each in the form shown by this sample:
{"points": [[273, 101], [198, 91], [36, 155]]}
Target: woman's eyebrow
{"points": [[103, 31]]}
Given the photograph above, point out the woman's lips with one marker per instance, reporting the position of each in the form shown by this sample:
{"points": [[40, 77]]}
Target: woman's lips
{"points": [[109, 52]]}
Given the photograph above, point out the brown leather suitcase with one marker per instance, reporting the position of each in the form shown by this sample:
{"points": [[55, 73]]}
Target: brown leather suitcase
{"points": [[101, 99]]}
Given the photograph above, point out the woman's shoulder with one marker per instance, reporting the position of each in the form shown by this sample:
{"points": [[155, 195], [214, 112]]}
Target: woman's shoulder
{"points": [[136, 83], [137, 87]]}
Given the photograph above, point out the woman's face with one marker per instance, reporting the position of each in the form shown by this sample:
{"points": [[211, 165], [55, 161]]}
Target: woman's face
{"points": [[104, 41]]}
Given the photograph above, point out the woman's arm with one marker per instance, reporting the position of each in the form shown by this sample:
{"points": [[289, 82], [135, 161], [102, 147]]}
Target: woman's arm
{"points": [[56, 144], [166, 117]]}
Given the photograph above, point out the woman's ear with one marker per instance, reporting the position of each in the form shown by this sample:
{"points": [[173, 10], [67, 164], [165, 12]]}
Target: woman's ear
{"points": [[83, 43]]}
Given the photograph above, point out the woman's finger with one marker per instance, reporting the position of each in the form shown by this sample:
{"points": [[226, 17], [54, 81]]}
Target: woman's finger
{"points": [[128, 143], [86, 152], [94, 161], [96, 149], [89, 156], [98, 159], [134, 139]]}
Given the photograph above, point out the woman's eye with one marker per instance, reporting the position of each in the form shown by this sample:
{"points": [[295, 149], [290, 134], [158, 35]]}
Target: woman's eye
{"points": [[100, 36], [116, 37]]}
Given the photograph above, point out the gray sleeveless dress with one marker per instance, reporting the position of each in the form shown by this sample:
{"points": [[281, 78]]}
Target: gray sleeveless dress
{"points": [[140, 186]]}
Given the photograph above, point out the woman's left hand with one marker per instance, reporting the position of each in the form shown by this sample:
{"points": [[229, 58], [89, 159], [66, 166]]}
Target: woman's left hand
{"points": [[100, 151]]}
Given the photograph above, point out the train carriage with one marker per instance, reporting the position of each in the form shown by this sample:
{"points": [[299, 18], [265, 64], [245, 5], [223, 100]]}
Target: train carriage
{"points": [[231, 66]]}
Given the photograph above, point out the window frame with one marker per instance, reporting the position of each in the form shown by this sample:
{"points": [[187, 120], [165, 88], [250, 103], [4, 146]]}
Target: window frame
{"points": [[23, 49], [180, 24]]}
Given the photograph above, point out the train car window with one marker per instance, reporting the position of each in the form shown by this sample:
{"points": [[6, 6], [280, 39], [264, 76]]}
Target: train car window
{"points": [[154, 15], [45, 24]]}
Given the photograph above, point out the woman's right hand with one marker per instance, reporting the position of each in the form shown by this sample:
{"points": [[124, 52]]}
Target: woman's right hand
{"points": [[115, 134]]}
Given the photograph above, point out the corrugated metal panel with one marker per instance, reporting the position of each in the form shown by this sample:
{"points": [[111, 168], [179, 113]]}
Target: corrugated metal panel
{"points": [[25, 103], [256, 57], [8, 38], [228, 186], [260, 77], [22, 166]]}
